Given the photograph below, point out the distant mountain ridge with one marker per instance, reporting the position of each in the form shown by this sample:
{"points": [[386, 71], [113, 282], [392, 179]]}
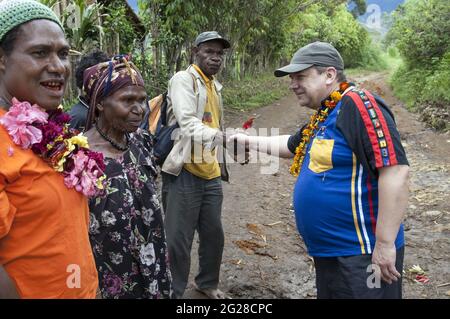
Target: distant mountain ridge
{"points": [[372, 19]]}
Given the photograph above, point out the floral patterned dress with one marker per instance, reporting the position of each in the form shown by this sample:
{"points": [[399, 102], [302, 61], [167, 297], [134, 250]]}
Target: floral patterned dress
{"points": [[126, 227]]}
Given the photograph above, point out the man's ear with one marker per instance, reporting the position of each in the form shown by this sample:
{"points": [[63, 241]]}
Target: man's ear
{"points": [[193, 57], [331, 75], [194, 53]]}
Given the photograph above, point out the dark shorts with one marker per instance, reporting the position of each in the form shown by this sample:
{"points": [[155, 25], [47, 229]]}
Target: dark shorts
{"points": [[348, 278]]}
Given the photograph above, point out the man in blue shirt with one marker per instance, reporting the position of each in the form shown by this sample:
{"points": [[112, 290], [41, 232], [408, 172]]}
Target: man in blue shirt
{"points": [[352, 188]]}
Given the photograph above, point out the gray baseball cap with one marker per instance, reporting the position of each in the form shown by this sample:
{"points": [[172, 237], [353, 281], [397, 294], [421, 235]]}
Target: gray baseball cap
{"points": [[210, 36], [313, 54]]}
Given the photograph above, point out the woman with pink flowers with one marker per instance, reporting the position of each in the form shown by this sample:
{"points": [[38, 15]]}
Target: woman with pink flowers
{"points": [[127, 232], [46, 169]]}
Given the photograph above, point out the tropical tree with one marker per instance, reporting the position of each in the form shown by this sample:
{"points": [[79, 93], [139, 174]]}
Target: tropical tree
{"points": [[82, 24], [120, 36], [421, 32]]}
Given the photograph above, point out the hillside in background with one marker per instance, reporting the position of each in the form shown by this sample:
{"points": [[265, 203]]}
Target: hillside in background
{"points": [[376, 20]]}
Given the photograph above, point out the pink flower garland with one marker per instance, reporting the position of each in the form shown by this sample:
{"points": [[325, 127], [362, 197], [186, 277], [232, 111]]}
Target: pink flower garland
{"points": [[48, 135]]}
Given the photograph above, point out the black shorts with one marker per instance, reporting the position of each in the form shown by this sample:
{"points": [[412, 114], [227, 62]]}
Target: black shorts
{"points": [[348, 277]]}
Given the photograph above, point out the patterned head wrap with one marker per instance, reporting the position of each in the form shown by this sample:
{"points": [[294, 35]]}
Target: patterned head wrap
{"points": [[104, 79], [16, 12]]}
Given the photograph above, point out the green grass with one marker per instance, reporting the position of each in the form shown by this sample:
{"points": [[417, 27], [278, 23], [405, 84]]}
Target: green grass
{"points": [[253, 92], [393, 63], [405, 83], [418, 85], [376, 59], [386, 62]]}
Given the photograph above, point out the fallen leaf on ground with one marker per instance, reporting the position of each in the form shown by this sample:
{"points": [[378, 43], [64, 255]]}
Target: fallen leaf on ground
{"points": [[236, 262], [416, 269], [248, 246], [254, 229]]}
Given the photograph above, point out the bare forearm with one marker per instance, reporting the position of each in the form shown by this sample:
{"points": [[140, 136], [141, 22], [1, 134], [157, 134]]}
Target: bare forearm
{"points": [[393, 201], [272, 145], [7, 287]]}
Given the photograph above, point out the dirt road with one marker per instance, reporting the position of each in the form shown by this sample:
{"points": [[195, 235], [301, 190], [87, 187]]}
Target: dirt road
{"points": [[264, 256]]}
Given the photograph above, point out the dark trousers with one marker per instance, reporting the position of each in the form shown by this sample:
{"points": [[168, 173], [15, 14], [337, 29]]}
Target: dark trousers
{"points": [[348, 278], [191, 203]]}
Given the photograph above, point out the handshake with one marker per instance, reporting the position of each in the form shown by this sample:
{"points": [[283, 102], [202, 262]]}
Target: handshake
{"points": [[236, 144]]}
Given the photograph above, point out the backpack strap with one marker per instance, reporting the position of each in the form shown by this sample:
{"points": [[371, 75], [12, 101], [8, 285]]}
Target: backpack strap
{"points": [[158, 115], [164, 109], [195, 87], [155, 113]]}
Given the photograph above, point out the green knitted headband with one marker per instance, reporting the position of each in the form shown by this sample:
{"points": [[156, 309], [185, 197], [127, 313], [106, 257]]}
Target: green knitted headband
{"points": [[17, 12]]}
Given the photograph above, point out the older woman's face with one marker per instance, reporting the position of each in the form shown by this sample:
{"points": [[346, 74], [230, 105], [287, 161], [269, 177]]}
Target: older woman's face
{"points": [[124, 109], [38, 67]]}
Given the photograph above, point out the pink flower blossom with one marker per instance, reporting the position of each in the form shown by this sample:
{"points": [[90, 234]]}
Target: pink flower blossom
{"points": [[72, 179], [27, 113], [22, 134], [10, 151], [84, 174], [19, 121]]}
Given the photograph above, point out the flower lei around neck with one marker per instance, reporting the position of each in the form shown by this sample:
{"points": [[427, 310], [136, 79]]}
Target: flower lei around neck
{"points": [[310, 130], [48, 135]]}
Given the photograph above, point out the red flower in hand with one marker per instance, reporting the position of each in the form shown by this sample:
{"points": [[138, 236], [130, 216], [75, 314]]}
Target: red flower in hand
{"points": [[248, 124]]}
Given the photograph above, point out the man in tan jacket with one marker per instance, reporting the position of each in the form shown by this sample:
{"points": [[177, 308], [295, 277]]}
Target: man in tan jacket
{"points": [[192, 190]]}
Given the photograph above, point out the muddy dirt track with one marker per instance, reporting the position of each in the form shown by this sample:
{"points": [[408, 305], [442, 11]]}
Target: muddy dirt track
{"points": [[264, 257]]}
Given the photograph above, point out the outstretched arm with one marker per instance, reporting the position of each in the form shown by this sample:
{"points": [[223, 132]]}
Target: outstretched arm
{"points": [[272, 145]]}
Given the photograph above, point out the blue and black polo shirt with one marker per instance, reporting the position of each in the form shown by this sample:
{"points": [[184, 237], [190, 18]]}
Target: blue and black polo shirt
{"points": [[336, 193]]}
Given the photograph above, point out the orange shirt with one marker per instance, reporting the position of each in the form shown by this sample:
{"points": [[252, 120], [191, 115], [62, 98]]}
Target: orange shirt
{"points": [[44, 243]]}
